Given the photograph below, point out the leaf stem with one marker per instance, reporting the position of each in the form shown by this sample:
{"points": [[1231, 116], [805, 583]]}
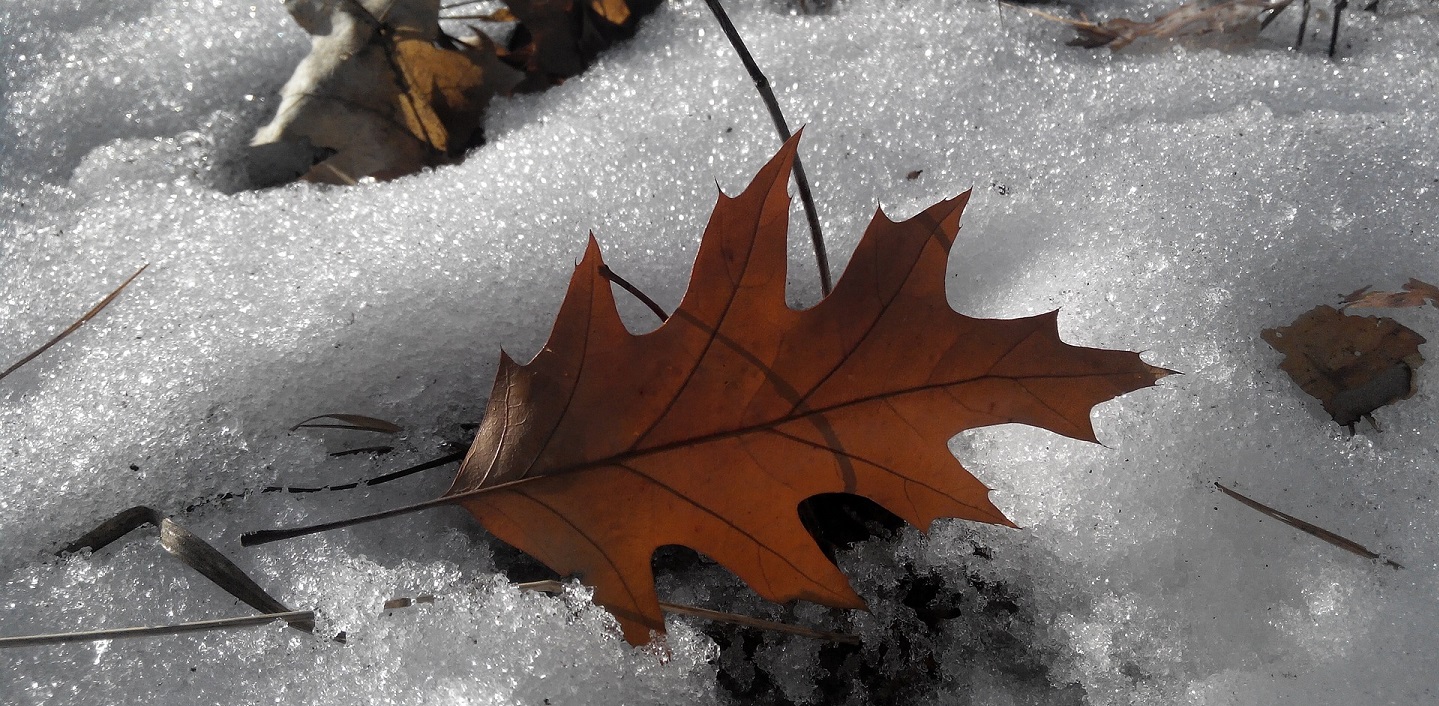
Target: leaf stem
{"points": [[250, 539], [761, 83], [624, 284]]}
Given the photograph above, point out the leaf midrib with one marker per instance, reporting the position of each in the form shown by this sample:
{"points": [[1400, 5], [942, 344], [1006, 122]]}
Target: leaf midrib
{"points": [[771, 425]]}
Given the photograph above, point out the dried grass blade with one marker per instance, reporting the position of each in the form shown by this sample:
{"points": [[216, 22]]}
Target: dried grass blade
{"points": [[78, 323], [1347, 545], [294, 618], [352, 422], [190, 549]]}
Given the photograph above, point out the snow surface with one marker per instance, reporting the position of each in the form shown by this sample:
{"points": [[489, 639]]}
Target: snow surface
{"points": [[1175, 199]]}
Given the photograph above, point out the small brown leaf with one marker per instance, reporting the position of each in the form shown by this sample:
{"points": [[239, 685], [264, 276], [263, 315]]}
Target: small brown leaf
{"points": [[1352, 364], [501, 15]]}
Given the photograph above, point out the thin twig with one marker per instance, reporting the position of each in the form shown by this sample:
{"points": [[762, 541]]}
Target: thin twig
{"points": [[1303, 26], [552, 586], [294, 617], [624, 284], [1347, 545], [393, 475], [78, 323], [250, 539], [761, 83], [496, 16], [377, 450], [1339, 6]]}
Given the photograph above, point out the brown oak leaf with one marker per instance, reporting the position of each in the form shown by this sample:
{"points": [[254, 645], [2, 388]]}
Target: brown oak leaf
{"points": [[709, 431]]}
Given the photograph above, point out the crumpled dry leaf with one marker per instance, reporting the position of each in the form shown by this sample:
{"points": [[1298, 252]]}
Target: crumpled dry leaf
{"points": [[380, 94], [1187, 20], [1352, 364], [1415, 293], [385, 93]]}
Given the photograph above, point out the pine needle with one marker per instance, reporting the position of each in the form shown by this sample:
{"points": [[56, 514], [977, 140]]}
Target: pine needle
{"points": [[1347, 545], [78, 323]]}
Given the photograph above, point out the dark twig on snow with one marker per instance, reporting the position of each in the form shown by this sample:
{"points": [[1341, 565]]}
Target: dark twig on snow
{"points": [[762, 85], [1339, 6], [393, 475], [1303, 26]]}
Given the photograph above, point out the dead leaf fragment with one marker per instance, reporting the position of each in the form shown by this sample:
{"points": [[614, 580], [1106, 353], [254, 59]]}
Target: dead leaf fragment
{"points": [[379, 94], [1352, 364], [1415, 293], [353, 422], [556, 39], [385, 93], [1190, 19]]}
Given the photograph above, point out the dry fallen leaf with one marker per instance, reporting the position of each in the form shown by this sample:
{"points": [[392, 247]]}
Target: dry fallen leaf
{"points": [[379, 94], [1352, 364], [709, 431], [1190, 19], [385, 93], [1415, 293]]}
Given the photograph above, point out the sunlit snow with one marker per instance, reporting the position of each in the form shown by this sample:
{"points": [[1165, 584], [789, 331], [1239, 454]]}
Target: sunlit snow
{"points": [[1171, 198]]}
